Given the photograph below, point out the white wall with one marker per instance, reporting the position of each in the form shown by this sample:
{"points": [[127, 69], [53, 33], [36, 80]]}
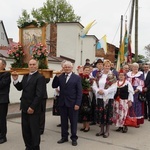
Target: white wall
{"points": [[70, 44], [15, 95], [66, 40], [3, 42], [89, 43]]}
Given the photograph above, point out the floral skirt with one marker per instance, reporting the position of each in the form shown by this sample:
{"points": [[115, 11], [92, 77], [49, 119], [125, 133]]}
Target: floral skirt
{"points": [[104, 113], [120, 112], [85, 116]]}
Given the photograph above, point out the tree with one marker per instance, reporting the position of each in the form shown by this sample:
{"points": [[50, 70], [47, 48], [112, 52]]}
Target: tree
{"points": [[55, 11], [147, 48], [141, 59]]}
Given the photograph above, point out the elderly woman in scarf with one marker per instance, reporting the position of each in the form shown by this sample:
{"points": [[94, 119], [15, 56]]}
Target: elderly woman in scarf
{"points": [[136, 78]]}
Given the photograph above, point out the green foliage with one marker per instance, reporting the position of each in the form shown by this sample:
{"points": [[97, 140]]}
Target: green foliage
{"points": [[141, 59], [42, 64], [141, 56], [55, 11], [52, 11], [25, 18], [147, 47], [19, 65], [26, 21]]}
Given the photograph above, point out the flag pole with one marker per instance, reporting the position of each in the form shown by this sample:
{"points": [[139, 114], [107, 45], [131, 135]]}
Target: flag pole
{"points": [[130, 32], [84, 33], [81, 51], [118, 59], [136, 30]]}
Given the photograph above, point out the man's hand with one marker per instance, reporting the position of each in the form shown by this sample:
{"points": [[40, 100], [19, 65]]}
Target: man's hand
{"points": [[145, 89], [30, 110], [100, 92], [129, 103], [76, 107], [14, 75], [136, 91]]}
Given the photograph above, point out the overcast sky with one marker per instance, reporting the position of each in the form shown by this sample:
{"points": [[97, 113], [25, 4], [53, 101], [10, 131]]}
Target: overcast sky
{"points": [[107, 14]]}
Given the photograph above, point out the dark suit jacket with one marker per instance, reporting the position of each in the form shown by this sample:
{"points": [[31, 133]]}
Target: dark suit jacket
{"points": [[32, 92], [5, 80], [70, 92], [147, 84], [43, 105]]}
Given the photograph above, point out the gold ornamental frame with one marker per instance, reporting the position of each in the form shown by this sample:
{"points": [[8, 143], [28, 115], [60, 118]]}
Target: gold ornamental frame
{"points": [[30, 36]]}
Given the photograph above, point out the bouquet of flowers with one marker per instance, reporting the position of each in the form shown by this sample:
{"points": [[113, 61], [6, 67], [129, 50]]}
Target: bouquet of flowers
{"points": [[17, 54], [40, 53], [86, 83]]}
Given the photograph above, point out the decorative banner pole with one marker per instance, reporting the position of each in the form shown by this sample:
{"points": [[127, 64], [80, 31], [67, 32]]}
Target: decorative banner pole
{"points": [[83, 35]]}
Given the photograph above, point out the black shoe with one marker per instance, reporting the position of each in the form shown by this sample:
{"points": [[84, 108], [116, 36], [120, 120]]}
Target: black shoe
{"points": [[41, 132], [99, 134], [92, 123], [87, 130], [119, 129], [74, 143], [106, 135], [62, 141], [3, 140], [148, 119], [125, 129], [82, 129], [59, 125]]}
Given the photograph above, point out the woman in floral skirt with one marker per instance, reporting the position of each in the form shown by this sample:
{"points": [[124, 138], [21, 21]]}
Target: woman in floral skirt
{"points": [[123, 100], [105, 89]]}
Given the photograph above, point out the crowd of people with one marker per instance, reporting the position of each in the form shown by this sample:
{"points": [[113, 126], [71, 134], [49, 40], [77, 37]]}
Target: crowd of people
{"points": [[97, 94]]}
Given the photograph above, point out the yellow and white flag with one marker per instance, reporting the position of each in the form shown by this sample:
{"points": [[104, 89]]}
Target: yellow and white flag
{"points": [[103, 43], [86, 29]]}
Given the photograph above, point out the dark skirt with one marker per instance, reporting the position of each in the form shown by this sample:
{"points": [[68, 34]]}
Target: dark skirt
{"points": [[104, 114], [85, 116], [55, 109]]}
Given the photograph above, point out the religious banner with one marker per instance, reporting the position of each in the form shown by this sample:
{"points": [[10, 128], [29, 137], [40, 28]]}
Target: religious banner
{"points": [[30, 36]]}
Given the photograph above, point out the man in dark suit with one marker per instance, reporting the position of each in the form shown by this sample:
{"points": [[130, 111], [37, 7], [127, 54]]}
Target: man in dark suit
{"points": [[5, 80], [69, 101], [33, 87], [146, 89]]}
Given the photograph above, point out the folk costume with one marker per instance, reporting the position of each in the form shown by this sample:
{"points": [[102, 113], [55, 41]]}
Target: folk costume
{"points": [[123, 95], [104, 103], [85, 108], [137, 81]]}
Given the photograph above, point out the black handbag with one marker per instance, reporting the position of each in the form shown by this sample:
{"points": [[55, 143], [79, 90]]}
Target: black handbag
{"points": [[86, 109], [55, 108], [142, 97]]}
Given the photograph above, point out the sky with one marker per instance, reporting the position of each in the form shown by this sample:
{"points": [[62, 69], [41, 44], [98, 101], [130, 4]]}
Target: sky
{"points": [[107, 14]]}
